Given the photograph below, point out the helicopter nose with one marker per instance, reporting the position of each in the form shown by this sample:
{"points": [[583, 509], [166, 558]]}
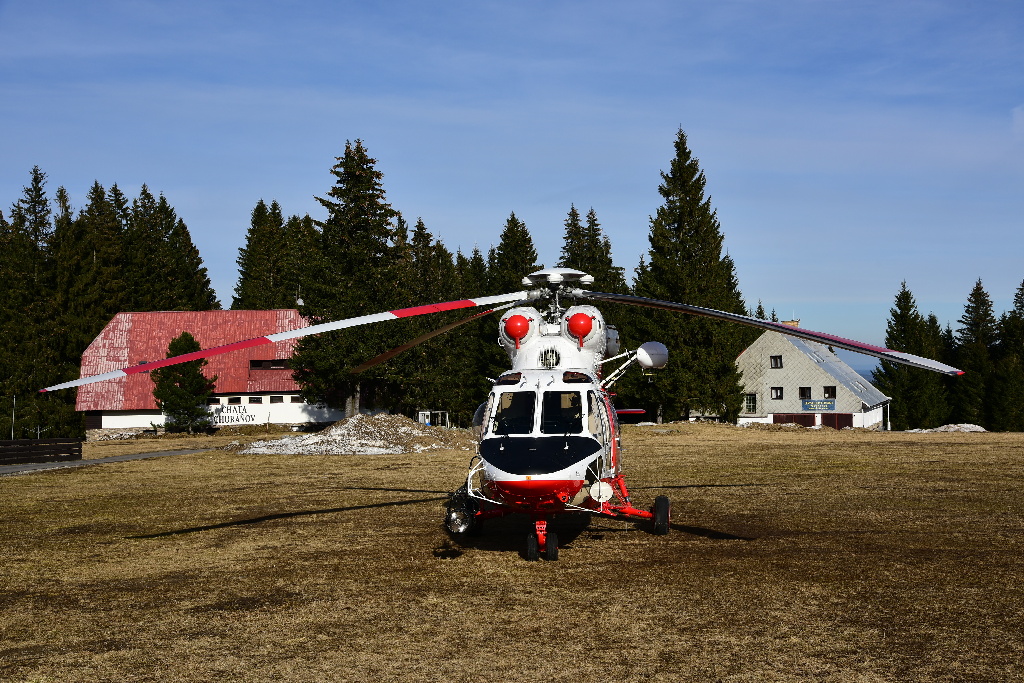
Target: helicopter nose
{"points": [[543, 493]]}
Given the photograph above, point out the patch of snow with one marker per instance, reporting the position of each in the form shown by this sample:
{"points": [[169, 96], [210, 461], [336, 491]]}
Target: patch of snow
{"points": [[950, 428], [369, 435]]}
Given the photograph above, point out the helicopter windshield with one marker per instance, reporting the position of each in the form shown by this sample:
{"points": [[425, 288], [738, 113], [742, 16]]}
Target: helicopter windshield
{"points": [[561, 413], [514, 414]]}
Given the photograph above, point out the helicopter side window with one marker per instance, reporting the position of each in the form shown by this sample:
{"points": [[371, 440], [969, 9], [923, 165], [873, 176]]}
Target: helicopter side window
{"points": [[594, 422], [561, 413], [598, 417], [514, 414]]}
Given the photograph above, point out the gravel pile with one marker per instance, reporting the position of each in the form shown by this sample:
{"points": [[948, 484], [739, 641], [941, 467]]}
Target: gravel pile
{"points": [[369, 435]]}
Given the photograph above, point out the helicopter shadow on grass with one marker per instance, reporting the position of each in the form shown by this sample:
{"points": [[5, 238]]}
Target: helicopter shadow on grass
{"points": [[712, 534], [508, 534], [295, 514]]}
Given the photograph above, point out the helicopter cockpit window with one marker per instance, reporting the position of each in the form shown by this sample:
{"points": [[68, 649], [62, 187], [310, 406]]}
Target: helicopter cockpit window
{"points": [[514, 414], [561, 413]]}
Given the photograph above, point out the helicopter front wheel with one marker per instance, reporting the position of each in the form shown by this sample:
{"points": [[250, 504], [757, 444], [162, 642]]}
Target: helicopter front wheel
{"points": [[461, 518], [662, 514], [532, 547]]}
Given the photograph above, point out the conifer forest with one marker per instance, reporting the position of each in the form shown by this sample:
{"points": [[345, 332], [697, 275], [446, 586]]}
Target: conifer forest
{"points": [[67, 271]]}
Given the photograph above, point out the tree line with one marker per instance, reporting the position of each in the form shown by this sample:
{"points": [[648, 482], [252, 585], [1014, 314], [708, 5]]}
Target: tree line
{"points": [[988, 349], [366, 257], [69, 272], [66, 273]]}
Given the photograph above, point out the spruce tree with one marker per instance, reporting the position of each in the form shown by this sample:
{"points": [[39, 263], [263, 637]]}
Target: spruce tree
{"points": [[30, 321], [685, 263], [507, 264], [514, 258], [181, 391], [587, 248], [918, 396], [191, 286], [975, 341], [301, 245], [1007, 394], [260, 276], [32, 217], [145, 255], [353, 273]]}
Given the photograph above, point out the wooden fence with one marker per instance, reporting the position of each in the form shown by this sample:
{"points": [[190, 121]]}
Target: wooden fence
{"points": [[39, 450]]}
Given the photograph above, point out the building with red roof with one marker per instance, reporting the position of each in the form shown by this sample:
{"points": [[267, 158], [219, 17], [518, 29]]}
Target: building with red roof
{"points": [[253, 385]]}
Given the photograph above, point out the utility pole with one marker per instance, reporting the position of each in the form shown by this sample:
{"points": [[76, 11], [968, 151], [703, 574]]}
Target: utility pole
{"points": [[14, 405]]}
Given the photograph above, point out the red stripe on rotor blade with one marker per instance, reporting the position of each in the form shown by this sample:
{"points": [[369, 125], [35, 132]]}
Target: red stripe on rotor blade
{"points": [[196, 355], [433, 308]]}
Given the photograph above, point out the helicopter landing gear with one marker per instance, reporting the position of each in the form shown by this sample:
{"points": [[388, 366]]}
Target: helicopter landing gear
{"points": [[540, 540], [662, 511], [532, 547], [551, 547], [461, 514]]}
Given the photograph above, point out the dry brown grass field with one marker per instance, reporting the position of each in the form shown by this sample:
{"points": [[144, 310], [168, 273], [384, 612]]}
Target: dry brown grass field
{"points": [[795, 555]]}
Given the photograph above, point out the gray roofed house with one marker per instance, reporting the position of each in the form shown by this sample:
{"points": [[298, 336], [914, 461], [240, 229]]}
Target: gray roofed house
{"points": [[786, 379]]}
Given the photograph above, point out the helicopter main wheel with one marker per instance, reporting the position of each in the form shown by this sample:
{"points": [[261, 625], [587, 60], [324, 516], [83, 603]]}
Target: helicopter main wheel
{"points": [[551, 547], [532, 547], [662, 514]]}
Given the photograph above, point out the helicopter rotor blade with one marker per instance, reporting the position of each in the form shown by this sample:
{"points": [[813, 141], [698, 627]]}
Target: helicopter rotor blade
{"points": [[295, 334], [820, 337], [388, 355]]}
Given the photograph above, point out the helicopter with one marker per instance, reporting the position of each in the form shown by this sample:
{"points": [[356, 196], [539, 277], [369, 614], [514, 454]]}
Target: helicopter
{"points": [[548, 434]]}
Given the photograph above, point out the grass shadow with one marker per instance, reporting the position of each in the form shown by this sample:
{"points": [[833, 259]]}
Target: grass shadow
{"points": [[284, 515]]}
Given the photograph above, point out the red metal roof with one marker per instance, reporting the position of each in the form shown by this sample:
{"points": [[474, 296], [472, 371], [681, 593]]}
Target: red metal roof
{"points": [[131, 338]]}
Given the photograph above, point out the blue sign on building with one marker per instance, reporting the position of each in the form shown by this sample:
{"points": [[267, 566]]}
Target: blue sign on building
{"points": [[817, 405]]}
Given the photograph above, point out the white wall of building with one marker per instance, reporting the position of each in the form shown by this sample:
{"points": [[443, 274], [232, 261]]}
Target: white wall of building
{"points": [[232, 414]]}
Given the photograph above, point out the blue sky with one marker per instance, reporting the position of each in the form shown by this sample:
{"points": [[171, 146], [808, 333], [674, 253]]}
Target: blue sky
{"points": [[847, 146]]}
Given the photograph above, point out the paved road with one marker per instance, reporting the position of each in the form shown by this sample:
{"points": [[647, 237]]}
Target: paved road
{"points": [[39, 466]]}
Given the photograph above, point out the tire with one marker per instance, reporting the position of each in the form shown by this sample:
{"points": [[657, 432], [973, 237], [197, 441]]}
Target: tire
{"points": [[662, 515], [459, 522], [551, 547], [532, 547], [460, 515]]}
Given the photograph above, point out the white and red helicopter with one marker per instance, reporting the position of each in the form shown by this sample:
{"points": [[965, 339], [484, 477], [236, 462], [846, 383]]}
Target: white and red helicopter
{"points": [[548, 432]]}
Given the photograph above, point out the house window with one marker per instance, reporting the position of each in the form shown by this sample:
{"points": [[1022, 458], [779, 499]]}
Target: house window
{"points": [[275, 364], [296, 399], [805, 393], [277, 399], [750, 403], [234, 400], [255, 399], [213, 401], [776, 361], [776, 393], [830, 392]]}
